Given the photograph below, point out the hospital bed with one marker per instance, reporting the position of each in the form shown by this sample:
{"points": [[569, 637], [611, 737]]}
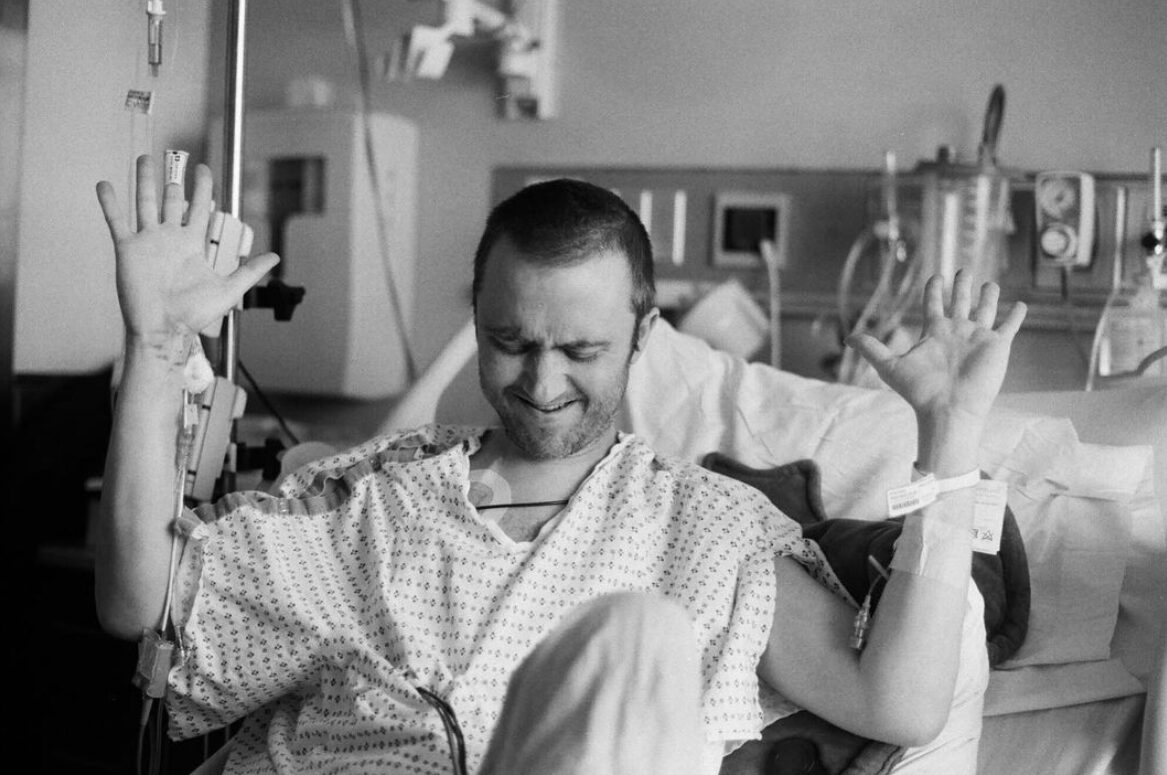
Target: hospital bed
{"points": [[1085, 691]]}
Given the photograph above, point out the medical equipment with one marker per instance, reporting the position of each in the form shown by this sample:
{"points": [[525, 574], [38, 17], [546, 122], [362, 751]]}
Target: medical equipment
{"points": [[527, 38], [1130, 340], [1064, 215], [942, 217], [345, 227], [175, 166], [898, 280], [862, 621], [748, 225], [154, 14]]}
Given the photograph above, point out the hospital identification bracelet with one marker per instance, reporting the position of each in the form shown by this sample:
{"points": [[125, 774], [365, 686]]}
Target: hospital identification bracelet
{"points": [[925, 490]]}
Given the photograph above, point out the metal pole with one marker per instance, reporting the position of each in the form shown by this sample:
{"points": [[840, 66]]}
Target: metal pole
{"points": [[231, 187]]}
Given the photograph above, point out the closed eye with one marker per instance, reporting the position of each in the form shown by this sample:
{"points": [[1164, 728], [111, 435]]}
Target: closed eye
{"points": [[509, 346], [583, 354]]}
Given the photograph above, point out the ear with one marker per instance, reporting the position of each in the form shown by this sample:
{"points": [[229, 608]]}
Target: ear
{"points": [[642, 332]]}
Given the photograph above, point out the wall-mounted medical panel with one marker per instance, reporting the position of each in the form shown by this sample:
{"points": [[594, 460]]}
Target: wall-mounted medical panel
{"points": [[821, 211], [825, 212], [308, 193]]}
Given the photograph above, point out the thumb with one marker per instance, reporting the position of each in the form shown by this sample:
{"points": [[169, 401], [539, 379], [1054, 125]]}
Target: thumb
{"points": [[251, 272], [236, 284], [873, 351]]}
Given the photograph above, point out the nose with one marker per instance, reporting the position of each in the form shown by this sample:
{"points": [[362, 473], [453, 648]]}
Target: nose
{"points": [[544, 379]]}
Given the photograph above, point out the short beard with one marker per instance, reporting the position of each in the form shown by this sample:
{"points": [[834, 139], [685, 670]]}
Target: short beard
{"points": [[598, 419]]}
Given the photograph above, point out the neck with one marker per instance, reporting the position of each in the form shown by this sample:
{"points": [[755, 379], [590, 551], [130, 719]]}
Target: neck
{"points": [[540, 479]]}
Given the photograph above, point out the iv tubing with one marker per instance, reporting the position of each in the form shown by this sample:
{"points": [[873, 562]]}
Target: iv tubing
{"points": [[185, 444], [1156, 192], [883, 308], [1115, 282]]}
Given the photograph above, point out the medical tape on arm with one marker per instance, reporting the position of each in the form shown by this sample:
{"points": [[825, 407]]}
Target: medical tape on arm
{"points": [[936, 539]]}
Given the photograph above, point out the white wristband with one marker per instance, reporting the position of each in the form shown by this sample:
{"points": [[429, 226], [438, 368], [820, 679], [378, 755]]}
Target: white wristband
{"points": [[920, 493], [962, 482]]}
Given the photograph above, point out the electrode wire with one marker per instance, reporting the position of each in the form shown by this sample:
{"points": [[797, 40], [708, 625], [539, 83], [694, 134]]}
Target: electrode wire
{"points": [[268, 404]]}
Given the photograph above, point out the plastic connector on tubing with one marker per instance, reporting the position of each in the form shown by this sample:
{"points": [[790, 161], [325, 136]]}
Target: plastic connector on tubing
{"points": [[154, 14]]}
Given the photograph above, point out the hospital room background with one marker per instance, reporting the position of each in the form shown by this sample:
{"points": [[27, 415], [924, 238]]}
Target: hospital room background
{"points": [[769, 146]]}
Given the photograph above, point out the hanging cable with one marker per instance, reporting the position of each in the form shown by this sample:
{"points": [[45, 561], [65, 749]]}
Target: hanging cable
{"points": [[268, 404], [1072, 329], [352, 27]]}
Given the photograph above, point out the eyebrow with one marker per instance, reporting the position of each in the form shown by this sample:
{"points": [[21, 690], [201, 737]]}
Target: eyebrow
{"points": [[513, 332]]}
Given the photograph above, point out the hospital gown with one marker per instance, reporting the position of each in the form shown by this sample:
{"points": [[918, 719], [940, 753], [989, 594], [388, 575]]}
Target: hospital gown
{"points": [[318, 614]]}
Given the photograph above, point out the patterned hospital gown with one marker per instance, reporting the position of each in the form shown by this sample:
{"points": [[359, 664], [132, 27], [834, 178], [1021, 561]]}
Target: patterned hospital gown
{"points": [[316, 614]]}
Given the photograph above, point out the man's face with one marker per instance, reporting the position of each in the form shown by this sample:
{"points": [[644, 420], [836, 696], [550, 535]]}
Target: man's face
{"points": [[554, 347]]}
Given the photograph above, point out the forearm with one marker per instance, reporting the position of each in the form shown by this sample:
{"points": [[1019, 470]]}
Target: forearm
{"points": [[913, 652], [912, 656], [139, 495]]}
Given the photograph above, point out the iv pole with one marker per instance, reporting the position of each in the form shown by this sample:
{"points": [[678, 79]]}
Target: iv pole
{"points": [[232, 183]]}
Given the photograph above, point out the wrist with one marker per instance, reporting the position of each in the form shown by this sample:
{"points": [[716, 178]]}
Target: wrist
{"points": [[159, 355], [948, 442]]}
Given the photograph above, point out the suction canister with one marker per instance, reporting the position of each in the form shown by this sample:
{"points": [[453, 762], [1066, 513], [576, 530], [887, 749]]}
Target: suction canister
{"points": [[959, 212]]}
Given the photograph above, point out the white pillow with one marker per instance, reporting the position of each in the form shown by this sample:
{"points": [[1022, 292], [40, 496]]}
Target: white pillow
{"points": [[1133, 414], [688, 399], [1072, 502]]}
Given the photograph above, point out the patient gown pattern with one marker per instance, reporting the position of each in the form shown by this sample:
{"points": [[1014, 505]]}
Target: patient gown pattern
{"points": [[318, 614]]}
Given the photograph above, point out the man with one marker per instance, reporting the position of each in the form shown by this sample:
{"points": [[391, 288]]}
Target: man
{"points": [[486, 572]]}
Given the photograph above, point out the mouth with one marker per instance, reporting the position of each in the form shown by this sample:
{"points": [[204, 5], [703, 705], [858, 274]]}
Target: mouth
{"points": [[549, 409]]}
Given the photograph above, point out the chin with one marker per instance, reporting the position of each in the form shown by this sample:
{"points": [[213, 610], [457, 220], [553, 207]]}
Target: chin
{"points": [[549, 442], [542, 445]]}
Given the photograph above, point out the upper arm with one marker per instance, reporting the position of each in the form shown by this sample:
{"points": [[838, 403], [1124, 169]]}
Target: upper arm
{"points": [[899, 688], [808, 659]]}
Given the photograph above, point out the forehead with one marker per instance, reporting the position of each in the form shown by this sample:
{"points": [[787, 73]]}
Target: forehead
{"points": [[586, 298]]}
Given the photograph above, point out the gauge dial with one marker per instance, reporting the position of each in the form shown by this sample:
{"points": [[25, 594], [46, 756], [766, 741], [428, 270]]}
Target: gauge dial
{"points": [[1056, 196]]}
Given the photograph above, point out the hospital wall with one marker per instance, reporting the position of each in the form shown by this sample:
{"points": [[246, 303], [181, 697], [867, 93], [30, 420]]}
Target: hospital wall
{"points": [[82, 60], [750, 84], [744, 84]]}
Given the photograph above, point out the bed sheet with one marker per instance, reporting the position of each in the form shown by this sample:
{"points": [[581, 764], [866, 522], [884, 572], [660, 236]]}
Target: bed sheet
{"points": [[1095, 738]]}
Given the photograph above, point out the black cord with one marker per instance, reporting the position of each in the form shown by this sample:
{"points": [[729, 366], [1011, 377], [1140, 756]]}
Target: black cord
{"points": [[268, 404], [453, 730], [156, 753], [1068, 308], [486, 506]]}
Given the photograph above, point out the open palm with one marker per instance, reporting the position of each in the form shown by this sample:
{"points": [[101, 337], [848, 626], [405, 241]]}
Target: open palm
{"points": [[960, 360], [165, 286]]}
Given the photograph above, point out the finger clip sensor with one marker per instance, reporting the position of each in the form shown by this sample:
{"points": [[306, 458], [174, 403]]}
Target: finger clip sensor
{"points": [[176, 166]]}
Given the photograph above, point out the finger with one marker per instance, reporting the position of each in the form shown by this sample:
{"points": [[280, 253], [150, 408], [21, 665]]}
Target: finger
{"points": [[146, 197], [172, 203], [986, 312], [873, 351], [250, 273], [961, 296], [934, 298], [201, 205], [1012, 322], [115, 219]]}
